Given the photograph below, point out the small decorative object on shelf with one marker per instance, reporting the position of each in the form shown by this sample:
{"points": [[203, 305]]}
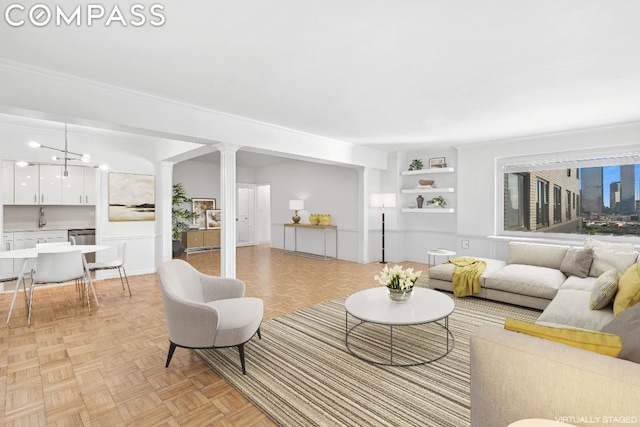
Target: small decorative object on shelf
{"points": [[427, 183], [324, 219], [399, 282], [320, 219], [420, 200], [416, 165], [437, 163], [437, 201]]}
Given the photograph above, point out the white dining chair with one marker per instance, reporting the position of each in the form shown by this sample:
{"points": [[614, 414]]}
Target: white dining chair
{"points": [[57, 267], [116, 264]]}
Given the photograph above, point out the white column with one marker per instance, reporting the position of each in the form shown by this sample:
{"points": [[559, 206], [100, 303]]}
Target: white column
{"points": [[228, 209], [164, 224]]}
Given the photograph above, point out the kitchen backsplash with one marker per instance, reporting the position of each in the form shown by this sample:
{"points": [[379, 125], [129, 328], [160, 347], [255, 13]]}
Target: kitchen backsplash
{"points": [[57, 217]]}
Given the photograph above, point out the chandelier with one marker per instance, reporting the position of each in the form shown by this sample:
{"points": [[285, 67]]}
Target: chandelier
{"points": [[66, 155]]}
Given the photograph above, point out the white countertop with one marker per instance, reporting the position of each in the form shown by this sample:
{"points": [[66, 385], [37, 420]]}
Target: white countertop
{"points": [[10, 228]]}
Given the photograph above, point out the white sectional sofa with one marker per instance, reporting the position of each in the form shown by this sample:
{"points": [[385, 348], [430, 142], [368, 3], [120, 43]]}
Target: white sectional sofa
{"points": [[516, 376], [532, 277]]}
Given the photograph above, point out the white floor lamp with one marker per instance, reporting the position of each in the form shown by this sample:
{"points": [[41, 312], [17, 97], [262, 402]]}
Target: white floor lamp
{"points": [[383, 200]]}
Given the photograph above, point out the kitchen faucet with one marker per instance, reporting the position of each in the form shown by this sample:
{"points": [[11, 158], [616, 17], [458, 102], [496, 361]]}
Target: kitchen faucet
{"points": [[42, 221]]}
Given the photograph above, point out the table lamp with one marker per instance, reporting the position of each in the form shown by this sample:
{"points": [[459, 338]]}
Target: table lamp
{"points": [[296, 205]]}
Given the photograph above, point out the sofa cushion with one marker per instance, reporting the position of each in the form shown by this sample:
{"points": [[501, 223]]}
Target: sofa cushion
{"points": [[579, 283], [627, 325], [445, 271], [604, 290], [605, 259], [550, 256], [592, 243], [529, 280], [571, 307], [628, 293], [577, 262], [598, 342]]}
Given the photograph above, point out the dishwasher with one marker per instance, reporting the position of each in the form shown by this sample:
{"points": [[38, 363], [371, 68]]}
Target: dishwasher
{"points": [[84, 236]]}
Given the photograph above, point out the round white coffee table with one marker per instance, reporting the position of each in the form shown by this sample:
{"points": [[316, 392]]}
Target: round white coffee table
{"points": [[433, 253], [374, 306]]}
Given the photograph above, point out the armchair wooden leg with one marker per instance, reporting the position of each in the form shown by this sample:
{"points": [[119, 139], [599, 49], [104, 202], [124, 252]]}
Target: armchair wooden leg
{"points": [[241, 351], [259, 334], [172, 348]]}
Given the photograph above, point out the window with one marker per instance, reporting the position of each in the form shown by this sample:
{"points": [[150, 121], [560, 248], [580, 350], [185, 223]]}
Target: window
{"points": [[601, 200], [557, 204], [517, 201], [542, 204]]}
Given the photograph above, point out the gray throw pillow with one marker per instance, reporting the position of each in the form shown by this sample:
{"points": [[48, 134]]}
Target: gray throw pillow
{"points": [[604, 290], [577, 262], [627, 326]]}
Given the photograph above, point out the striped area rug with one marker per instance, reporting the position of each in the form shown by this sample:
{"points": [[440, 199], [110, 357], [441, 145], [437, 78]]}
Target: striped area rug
{"points": [[301, 374]]}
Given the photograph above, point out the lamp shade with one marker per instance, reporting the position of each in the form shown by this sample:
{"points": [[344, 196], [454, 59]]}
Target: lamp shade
{"points": [[296, 204], [383, 200]]}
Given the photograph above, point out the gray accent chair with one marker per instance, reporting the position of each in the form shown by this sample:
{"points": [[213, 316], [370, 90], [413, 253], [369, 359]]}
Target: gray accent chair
{"points": [[205, 311]]}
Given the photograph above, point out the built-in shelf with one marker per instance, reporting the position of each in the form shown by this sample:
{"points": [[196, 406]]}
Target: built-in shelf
{"points": [[428, 210], [427, 190], [428, 171]]}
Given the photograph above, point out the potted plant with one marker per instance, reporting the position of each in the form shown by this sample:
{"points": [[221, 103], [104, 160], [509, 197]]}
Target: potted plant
{"points": [[181, 217], [437, 201], [416, 165]]}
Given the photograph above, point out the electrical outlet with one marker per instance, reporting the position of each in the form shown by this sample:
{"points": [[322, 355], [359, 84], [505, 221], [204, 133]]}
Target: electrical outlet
{"points": [[465, 244]]}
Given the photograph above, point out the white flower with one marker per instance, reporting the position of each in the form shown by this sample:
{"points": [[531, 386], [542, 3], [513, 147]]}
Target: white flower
{"points": [[397, 278]]}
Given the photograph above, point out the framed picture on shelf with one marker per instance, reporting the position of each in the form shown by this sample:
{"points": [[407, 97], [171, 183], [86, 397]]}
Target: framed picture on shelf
{"points": [[213, 219], [437, 163], [200, 207]]}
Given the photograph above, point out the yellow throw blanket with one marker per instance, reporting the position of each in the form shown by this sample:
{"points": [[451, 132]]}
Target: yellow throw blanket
{"points": [[466, 277]]}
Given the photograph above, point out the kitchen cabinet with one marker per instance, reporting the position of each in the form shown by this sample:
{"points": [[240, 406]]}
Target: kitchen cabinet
{"points": [[7, 245], [29, 239], [38, 185], [8, 180], [46, 185], [79, 187]]}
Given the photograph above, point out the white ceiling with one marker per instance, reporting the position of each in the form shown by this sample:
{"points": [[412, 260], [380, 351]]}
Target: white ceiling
{"points": [[388, 74]]}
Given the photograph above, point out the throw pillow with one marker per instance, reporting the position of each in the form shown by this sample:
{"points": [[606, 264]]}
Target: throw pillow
{"points": [[627, 325], [577, 262], [628, 293], [604, 290], [598, 342], [610, 246], [605, 259]]}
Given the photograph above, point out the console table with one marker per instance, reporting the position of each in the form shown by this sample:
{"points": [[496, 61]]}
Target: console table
{"points": [[325, 229], [201, 240]]}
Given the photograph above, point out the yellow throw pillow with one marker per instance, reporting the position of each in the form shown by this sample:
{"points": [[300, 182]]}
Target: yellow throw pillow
{"points": [[598, 342], [628, 293]]}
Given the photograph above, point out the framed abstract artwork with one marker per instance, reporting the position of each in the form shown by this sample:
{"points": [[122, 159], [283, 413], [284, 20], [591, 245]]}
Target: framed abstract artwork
{"points": [[213, 219], [200, 207], [132, 197]]}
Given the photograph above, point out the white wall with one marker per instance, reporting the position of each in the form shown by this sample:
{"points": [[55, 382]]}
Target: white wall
{"points": [[324, 189]]}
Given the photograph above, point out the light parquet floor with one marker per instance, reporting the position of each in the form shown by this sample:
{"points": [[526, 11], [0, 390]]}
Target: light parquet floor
{"points": [[72, 368]]}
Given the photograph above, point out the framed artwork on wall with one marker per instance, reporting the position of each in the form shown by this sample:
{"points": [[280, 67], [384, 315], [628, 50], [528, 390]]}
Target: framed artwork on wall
{"points": [[132, 197], [213, 219], [200, 207]]}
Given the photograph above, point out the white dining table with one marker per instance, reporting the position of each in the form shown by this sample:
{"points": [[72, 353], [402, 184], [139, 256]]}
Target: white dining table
{"points": [[32, 253]]}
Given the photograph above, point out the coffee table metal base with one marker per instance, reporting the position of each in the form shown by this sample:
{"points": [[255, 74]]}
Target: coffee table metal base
{"points": [[450, 341]]}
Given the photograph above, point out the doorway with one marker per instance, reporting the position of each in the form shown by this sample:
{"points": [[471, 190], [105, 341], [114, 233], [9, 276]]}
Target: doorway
{"points": [[253, 214]]}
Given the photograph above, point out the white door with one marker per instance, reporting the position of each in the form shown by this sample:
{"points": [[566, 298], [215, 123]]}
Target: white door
{"points": [[245, 215]]}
